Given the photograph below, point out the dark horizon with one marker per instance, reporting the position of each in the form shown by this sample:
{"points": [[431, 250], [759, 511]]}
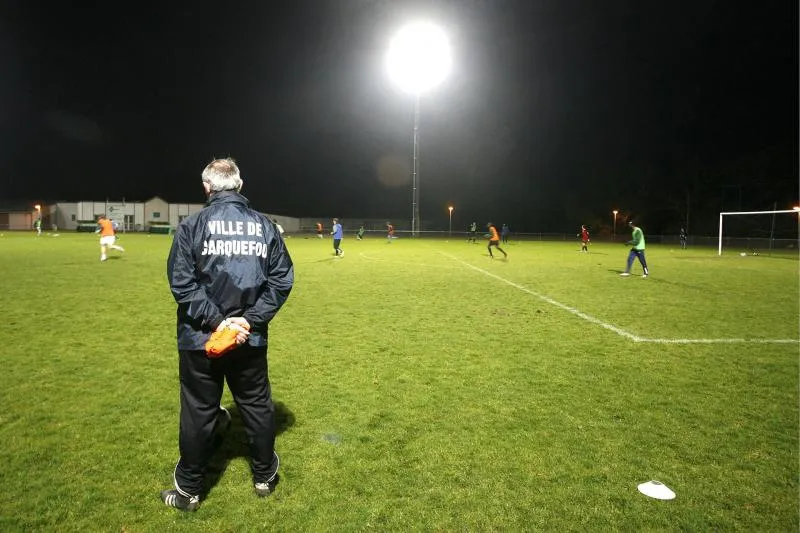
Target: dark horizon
{"points": [[554, 114]]}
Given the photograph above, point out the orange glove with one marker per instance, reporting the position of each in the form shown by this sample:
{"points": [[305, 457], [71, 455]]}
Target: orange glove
{"points": [[221, 342]]}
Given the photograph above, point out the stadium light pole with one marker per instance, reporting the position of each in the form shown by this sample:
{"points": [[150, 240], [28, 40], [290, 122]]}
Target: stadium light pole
{"points": [[614, 229], [450, 231], [417, 61]]}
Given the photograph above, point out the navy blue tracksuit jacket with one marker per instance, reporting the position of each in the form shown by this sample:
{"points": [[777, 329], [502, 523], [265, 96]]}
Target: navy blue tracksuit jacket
{"points": [[227, 260]]}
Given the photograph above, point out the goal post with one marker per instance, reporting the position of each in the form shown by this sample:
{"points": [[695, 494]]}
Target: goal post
{"points": [[796, 211]]}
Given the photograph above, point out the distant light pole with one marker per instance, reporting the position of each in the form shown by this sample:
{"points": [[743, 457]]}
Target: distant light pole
{"points": [[418, 60], [614, 229], [451, 220]]}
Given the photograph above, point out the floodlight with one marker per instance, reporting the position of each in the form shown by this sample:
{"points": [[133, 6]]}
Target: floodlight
{"points": [[418, 60], [419, 57]]}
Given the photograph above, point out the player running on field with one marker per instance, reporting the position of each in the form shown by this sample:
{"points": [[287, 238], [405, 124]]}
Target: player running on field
{"points": [[637, 250], [107, 237], [494, 240]]}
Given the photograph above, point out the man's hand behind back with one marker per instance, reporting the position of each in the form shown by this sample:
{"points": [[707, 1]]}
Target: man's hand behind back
{"points": [[239, 325]]}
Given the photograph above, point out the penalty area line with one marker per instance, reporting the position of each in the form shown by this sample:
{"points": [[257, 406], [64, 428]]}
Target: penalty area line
{"points": [[611, 327]]}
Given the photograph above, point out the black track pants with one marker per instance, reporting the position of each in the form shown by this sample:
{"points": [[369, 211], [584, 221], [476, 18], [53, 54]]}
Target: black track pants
{"points": [[202, 379]]}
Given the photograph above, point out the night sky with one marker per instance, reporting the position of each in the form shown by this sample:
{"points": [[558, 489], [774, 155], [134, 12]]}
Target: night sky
{"points": [[555, 113]]}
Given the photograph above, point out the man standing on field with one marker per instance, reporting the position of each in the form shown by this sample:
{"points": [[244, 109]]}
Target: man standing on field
{"points": [[505, 231], [584, 235], [338, 234], [472, 235], [229, 272], [637, 250]]}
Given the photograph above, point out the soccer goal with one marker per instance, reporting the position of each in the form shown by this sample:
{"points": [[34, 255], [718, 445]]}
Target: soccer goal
{"points": [[722, 215]]}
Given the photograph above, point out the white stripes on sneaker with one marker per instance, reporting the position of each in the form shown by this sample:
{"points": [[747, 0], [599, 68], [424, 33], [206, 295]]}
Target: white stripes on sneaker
{"points": [[171, 500], [174, 499]]}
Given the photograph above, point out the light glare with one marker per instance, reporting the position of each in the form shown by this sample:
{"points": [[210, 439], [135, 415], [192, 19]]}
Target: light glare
{"points": [[419, 57]]}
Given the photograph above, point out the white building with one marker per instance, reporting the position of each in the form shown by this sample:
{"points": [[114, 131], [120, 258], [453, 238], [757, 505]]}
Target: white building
{"points": [[131, 216]]}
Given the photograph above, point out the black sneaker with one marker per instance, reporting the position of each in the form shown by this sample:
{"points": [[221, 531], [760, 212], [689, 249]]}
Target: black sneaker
{"points": [[173, 498], [266, 488]]}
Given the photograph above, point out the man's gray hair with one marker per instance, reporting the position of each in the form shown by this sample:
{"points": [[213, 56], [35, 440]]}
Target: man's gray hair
{"points": [[222, 175]]}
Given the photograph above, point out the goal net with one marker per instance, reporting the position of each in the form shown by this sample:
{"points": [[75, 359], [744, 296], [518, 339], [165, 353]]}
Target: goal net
{"points": [[760, 231]]}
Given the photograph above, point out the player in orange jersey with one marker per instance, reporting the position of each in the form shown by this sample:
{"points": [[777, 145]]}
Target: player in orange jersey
{"points": [[494, 240], [107, 236]]}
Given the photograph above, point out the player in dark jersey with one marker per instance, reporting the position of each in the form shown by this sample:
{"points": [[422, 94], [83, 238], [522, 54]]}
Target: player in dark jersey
{"points": [[584, 234]]}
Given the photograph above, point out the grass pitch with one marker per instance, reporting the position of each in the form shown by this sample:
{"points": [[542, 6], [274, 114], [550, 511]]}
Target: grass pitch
{"points": [[420, 386]]}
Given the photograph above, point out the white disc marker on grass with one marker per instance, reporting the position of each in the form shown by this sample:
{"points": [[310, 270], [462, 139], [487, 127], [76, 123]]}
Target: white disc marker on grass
{"points": [[657, 490]]}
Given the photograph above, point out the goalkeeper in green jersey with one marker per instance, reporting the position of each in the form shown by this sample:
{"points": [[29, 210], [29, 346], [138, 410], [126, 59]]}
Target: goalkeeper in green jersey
{"points": [[637, 250]]}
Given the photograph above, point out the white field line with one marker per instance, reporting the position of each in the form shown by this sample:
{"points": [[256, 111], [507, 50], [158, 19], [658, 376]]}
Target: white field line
{"points": [[619, 331], [721, 341], [572, 310]]}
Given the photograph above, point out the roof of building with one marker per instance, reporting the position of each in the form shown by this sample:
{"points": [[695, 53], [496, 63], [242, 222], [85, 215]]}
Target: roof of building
{"points": [[17, 207]]}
